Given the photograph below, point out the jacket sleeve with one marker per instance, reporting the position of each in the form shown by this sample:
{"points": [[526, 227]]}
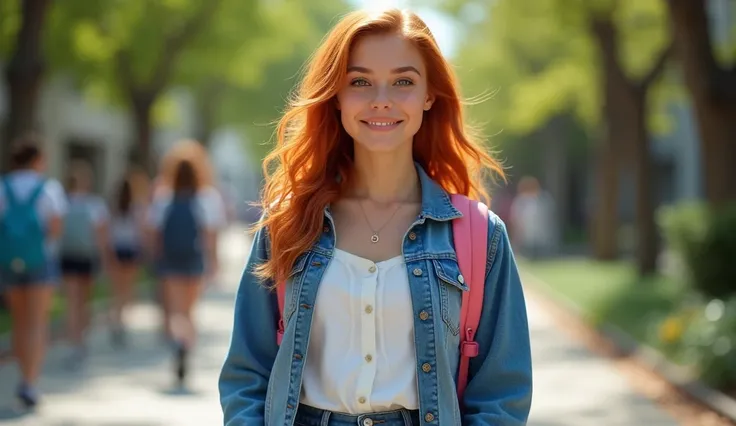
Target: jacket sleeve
{"points": [[499, 390], [243, 382]]}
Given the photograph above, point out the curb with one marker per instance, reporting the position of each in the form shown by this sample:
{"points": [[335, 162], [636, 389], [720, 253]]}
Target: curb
{"points": [[626, 345]]}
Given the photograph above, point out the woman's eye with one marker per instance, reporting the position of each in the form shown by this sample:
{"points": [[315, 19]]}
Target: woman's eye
{"points": [[404, 82], [359, 82]]}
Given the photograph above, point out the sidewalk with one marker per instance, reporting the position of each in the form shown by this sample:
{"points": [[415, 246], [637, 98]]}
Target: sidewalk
{"points": [[134, 387], [574, 387]]}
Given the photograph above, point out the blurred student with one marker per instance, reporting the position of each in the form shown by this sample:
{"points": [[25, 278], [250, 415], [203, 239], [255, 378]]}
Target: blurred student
{"points": [[196, 154], [126, 243], [31, 219], [183, 223], [82, 249]]}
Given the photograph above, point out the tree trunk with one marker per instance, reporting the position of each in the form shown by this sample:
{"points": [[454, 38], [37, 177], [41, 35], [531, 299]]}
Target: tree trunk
{"points": [[713, 91], [646, 247], [24, 75], [142, 104], [605, 219]]}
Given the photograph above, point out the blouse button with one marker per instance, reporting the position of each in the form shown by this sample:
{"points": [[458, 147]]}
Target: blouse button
{"points": [[417, 272], [372, 269], [368, 309], [368, 358], [426, 367], [423, 315], [361, 400], [429, 417], [412, 236]]}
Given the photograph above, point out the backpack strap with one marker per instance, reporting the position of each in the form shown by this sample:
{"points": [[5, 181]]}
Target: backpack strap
{"points": [[470, 239], [9, 194], [36, 192], [281, 295]]}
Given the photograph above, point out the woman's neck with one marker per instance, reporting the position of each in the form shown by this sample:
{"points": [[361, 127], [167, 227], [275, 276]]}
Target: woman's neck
{"points": [[385, 178]]}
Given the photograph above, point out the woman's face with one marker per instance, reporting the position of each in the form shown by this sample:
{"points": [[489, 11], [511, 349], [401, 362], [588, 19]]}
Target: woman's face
{"points": [[385, 93]]}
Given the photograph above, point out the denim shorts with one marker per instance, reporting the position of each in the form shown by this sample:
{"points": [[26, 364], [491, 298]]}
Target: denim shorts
{"points": [[45, 275], [190, 269], [310, 416]]}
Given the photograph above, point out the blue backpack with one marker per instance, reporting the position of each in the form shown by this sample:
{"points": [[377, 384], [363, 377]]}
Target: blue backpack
{"points": [[181, 240], [22, 233]]}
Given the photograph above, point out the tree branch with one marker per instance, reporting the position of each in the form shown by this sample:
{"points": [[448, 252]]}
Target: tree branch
{"points": [[175, 43], [604, 32], [658, 66]]}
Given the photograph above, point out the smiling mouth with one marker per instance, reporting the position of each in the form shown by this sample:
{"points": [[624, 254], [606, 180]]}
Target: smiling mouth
{"points": [[382, 123]]}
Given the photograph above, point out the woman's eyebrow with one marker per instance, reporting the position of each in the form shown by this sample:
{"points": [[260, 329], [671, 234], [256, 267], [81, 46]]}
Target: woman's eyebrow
{"points": [[399, 70]]}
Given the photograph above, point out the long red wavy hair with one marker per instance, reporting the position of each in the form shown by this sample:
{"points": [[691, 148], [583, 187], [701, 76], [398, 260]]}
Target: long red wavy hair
{"points": [[313, 148]]}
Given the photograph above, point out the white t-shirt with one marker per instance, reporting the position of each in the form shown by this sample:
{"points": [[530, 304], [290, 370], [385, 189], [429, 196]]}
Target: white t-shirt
{"points": [[125, 229], [93, 203], [50, 203], [361, 357]]}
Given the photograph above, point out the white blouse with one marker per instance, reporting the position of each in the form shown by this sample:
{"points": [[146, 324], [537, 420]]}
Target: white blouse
{"points": [[361, 355]]}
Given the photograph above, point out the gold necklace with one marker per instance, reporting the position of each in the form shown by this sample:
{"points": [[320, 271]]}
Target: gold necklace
{"points": [[375, 238]]}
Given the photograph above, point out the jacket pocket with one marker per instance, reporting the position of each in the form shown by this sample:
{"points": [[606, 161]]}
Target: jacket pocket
{"points": [[451, 287]]}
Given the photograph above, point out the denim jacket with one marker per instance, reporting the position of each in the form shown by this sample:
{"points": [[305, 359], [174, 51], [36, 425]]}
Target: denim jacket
{"points": [[260, 382]]}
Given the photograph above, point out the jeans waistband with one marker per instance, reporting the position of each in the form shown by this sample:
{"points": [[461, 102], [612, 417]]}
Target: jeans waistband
{"points": [[311, 416]]}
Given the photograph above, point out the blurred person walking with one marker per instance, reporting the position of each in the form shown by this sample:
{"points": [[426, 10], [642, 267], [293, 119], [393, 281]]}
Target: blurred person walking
{"points": [[195, 153], [126, 243], [183, 222], [31, 219], [532, 219], [83, 250]]}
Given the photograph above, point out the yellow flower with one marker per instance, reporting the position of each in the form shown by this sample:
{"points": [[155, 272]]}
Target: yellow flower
{"points": [[671, 329]]}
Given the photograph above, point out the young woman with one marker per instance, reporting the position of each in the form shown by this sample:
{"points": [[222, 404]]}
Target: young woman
{"points": [[31, 219], [126, 226], [184, 224], [194, 153], [83, 247], [358, 225]]}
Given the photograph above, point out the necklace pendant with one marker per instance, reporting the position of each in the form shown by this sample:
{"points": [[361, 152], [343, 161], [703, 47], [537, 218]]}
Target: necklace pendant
{"points": [[374, 238]]}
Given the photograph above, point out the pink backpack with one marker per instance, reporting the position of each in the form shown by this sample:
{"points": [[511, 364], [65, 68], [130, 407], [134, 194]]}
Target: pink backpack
{"points": [[471, 243]]}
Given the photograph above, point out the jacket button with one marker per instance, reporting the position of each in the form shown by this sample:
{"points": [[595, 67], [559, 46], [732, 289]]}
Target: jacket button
{"points": [[429, 417], [426, 367], [423, 315], [417, 272], [412, 236], [368, 422], [461, 279]]}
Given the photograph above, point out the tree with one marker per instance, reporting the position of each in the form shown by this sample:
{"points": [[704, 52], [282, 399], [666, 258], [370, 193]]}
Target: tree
{"points": [[25, 69], [625, 111], [250, 96], [133, 52], [712, 86], [592, 60]]}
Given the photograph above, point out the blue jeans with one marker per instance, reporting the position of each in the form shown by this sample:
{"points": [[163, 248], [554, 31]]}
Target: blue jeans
{"points": [[310, 416]]}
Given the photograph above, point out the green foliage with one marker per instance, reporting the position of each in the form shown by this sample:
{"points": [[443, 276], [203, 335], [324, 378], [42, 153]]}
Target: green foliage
{"points": [[705, 241], [9, 26], [539, 59]]}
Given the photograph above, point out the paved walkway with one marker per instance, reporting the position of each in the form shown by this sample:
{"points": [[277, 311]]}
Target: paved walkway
{"points": [[134, 387]]}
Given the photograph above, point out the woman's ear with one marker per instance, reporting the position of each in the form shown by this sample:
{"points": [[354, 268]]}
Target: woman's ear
{"points": [[428, 102]]}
